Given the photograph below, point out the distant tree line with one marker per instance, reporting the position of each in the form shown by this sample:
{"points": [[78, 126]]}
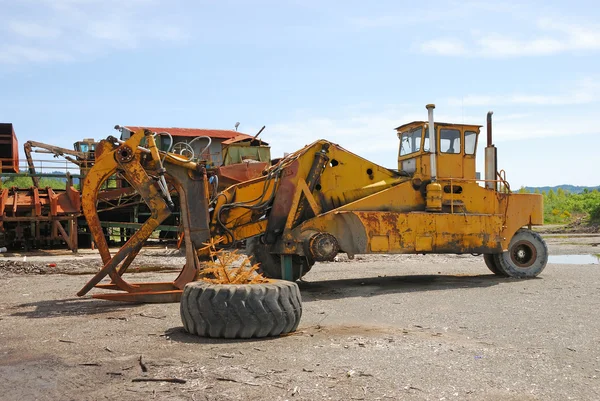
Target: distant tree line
{"points": [[27, 182], [563, 206]]}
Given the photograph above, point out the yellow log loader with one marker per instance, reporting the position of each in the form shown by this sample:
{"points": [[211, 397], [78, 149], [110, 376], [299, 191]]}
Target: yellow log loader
{"points": [[323, 200]]}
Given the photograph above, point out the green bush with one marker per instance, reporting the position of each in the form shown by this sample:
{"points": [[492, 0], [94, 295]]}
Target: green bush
{"points": [[562, 206], [26, 182]]}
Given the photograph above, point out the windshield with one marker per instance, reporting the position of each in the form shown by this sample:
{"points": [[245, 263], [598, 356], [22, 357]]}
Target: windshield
{"points": [[410, 142], [449, 140]]}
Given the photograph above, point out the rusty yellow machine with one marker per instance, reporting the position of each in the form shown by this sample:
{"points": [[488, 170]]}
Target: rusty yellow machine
{"points": [[324, 200]]}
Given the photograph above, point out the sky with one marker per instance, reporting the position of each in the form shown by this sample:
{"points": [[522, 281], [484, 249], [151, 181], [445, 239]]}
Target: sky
{"points": [[346, 71]]}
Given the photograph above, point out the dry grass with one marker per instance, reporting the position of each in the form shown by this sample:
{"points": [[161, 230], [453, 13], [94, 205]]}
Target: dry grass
{"points": [[222, 267]]}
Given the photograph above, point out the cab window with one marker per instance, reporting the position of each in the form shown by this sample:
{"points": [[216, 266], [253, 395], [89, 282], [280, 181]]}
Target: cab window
{"points": [[410, 142], [470, 142], [164, 143], [449, 140]]}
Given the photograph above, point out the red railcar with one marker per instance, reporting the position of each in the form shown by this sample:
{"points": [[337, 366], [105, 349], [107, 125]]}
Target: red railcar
{"points": [[9, 149]]}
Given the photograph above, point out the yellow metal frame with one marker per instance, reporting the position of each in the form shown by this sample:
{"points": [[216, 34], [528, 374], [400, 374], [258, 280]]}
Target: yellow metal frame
{"points": [[320, 190], [370, 209]]}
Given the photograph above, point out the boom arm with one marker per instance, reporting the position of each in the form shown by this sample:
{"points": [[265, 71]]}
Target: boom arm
{"points": [[314, 180], [81, 158]]}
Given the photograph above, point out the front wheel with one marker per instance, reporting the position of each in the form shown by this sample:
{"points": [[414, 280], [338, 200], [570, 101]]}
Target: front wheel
{"points": [[526, 257]]}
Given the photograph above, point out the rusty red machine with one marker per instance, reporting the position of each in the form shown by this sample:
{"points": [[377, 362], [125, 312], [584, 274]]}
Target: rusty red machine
{"points": [[34, 215]]}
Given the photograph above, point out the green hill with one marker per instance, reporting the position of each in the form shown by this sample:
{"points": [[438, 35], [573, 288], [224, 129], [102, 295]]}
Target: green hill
{"points": [[573, 189]]}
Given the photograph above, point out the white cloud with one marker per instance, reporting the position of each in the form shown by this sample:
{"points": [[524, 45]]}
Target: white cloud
{"points": [[584, 92], [443, 47], [68, 30], [13, 54], [543, 127], [497, 46], [33, 30], [551, 38], [380, 21], [577, 36]]}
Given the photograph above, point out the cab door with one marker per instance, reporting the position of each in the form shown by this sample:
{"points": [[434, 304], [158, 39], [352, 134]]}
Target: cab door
{"points": [[450, 152]]}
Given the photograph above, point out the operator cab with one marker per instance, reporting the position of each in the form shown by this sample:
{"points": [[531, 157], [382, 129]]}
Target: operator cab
{"points": [[87, 146], [455, 150]]}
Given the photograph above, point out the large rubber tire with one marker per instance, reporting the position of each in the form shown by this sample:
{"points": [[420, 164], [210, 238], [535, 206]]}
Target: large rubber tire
{"points": [[240, 310], [270, 264], [490, 262], [526, 257]]}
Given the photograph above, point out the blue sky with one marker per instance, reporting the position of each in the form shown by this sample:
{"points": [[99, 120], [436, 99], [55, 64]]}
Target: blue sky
{"points": [[346, 71]]}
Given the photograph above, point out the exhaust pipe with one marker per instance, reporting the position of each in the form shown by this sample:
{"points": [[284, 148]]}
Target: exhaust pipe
{"points": [[489, 128], [433, 198], [432, 142], [491, 159]]}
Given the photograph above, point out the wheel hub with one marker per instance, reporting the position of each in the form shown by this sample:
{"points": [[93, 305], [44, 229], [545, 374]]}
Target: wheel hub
{"points": [[523, 254], [323, 247]]}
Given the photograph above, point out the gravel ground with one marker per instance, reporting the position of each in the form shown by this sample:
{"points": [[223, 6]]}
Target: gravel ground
{"points": [[378, 327]]}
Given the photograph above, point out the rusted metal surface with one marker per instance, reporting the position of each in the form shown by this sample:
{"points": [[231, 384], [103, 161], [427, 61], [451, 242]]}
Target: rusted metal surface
{"points": [[32, 216], [194, 132], [239, 172], [314, 174], [282, 205], [323, 246]]}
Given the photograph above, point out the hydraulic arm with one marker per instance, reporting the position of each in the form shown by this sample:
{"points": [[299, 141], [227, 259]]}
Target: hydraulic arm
{"points": [[150, 172]]}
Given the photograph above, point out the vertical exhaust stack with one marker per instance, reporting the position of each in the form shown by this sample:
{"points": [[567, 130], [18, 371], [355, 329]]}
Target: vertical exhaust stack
{"points": [[491, 159], [433, 199], [432, 141]]}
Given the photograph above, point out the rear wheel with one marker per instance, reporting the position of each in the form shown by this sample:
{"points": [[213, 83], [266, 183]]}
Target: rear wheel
{"points": [[526, 257], [270, 264], [490, 262]]}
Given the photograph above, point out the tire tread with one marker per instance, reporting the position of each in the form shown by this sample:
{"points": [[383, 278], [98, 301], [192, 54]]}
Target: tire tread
{"points": [[241, 311]]}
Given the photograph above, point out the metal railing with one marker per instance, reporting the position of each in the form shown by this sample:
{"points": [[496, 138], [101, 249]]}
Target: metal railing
{"points": [[500, 186], [45, 166]]}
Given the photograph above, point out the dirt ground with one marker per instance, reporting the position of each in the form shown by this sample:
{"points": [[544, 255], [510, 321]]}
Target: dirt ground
{"points": [[375, 328]]}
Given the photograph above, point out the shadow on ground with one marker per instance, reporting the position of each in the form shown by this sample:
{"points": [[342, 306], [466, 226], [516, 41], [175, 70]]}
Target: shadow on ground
{"points": [[373, 286], [179, 334], [70, 307]]}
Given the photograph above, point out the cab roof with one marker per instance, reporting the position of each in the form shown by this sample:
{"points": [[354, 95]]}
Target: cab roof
{"points": [[438, 124]]}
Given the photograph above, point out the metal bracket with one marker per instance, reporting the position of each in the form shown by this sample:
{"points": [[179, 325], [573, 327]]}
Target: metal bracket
{"points": [[286, 268]]}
